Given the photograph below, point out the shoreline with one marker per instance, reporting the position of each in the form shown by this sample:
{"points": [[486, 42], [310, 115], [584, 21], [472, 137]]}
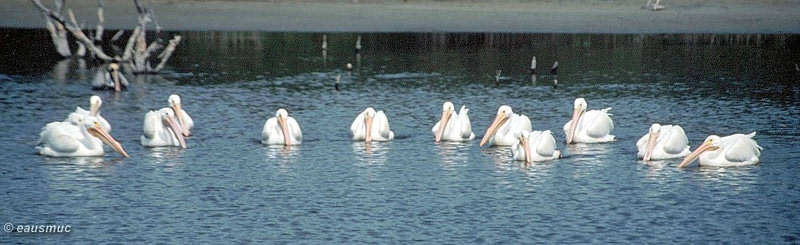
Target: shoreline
{"points": [[497, 16]]}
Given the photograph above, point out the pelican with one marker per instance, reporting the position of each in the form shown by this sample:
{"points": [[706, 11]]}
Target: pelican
{"points": [[453, 126], [64, 139], [729, 151], [94, 110], [369, 126], [505, 128], [594, 126], [109, 79], [161, 129], [663, 142], [535, 146], [281, 130], [186, 122]]}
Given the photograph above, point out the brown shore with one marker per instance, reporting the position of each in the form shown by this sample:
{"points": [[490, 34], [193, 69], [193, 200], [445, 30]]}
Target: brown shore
{"points": [[536, 16]]}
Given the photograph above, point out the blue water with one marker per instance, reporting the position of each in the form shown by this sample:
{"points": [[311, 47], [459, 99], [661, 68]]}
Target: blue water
{"points": [[227, 187]]}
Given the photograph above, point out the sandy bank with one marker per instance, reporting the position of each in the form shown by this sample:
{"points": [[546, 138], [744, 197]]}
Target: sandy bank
{"points": [[583, 16]]}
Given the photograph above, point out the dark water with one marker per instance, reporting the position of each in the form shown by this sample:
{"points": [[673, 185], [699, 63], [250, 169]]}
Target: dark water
{"points": [[228, 187]]}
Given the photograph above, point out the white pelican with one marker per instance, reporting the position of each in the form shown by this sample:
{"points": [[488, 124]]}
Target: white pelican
{"points": [[184, 120], [453, 126], [161, 129], [535, 146], [109, 78], [506, 127], [369, 126], [94, 110], [594, 126], [729, 151], [63, 139], [663, 142], [281, 130]]}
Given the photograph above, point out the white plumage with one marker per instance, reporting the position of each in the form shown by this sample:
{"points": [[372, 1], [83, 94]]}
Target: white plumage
{"points": [[457, 126], [64, 139], [668, 141], [370, 125], [535, 146], [593, 126], [94, 110], [506, 127], [162, 129], [279, 126], [729, 151]]}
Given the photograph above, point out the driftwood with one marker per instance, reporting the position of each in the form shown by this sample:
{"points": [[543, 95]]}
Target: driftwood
{"points": [[137, 53]]}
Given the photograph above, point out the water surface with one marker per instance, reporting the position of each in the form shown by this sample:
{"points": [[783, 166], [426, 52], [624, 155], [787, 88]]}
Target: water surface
{"points": [[228, 187]]}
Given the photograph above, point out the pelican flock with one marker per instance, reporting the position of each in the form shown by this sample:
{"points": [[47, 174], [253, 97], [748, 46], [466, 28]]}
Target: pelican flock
{"points": [[505, 127], [663, 142], [535, 146], [593, 126], [281, 130], [453, 126], [370, 125], [729, 151]]}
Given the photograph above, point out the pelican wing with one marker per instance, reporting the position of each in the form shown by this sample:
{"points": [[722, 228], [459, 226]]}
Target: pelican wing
{"points": [[187, 119], [545, 143], [641, 144], [381, 124], [271, 130], [294, 129], [357, 127], [152, 121], [57, 136], [519, 123], [465, 124], [597, 123], [674, 139], [741, 148]]}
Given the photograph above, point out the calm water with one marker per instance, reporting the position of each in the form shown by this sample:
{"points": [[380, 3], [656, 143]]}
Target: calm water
{"points": [[228, 187]]}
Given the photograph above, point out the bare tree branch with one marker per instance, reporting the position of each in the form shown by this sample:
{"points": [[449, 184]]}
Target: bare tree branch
{"points": [[164, 56], [117, 35], [98, 35]]}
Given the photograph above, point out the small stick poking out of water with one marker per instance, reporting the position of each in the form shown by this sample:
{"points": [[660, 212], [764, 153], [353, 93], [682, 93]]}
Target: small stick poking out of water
{"points": [[554, 69], [338, 79], [358, 44], [349, 67], [324, 42], [497, 77], [796, 68], [533, 65]]}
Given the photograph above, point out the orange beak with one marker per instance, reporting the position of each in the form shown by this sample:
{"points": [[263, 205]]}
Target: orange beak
{"points": [[368, 122], [176, 131], [651, 143], [706, 146], [523, 141], [179, 115], [286, 139], [576, 115], [101, 134], [115, 76], [499, 120], [442, 124]]}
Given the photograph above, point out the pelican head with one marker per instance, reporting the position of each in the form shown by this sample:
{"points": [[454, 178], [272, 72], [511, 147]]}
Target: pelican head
{"points": [[712, 143], [175, 102], [167, 116], [113, 68], [503, 113], [577, 110], [94, 105], [94, 128], [282, 116], [447, 110], [654, 131], [523, 142]]}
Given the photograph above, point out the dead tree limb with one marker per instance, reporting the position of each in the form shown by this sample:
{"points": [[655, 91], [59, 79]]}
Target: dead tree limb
{"points": [[98, 34]]}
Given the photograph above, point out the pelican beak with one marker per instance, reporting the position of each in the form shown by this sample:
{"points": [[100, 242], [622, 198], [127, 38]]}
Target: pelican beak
{"points": [[286, 139], [115, 76], [101, 134], [499, 120], [706, 146], [179, 115], [368, 122], [651, 143], [523, 141], [175, 130], [576, 115], [442, 123]]}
